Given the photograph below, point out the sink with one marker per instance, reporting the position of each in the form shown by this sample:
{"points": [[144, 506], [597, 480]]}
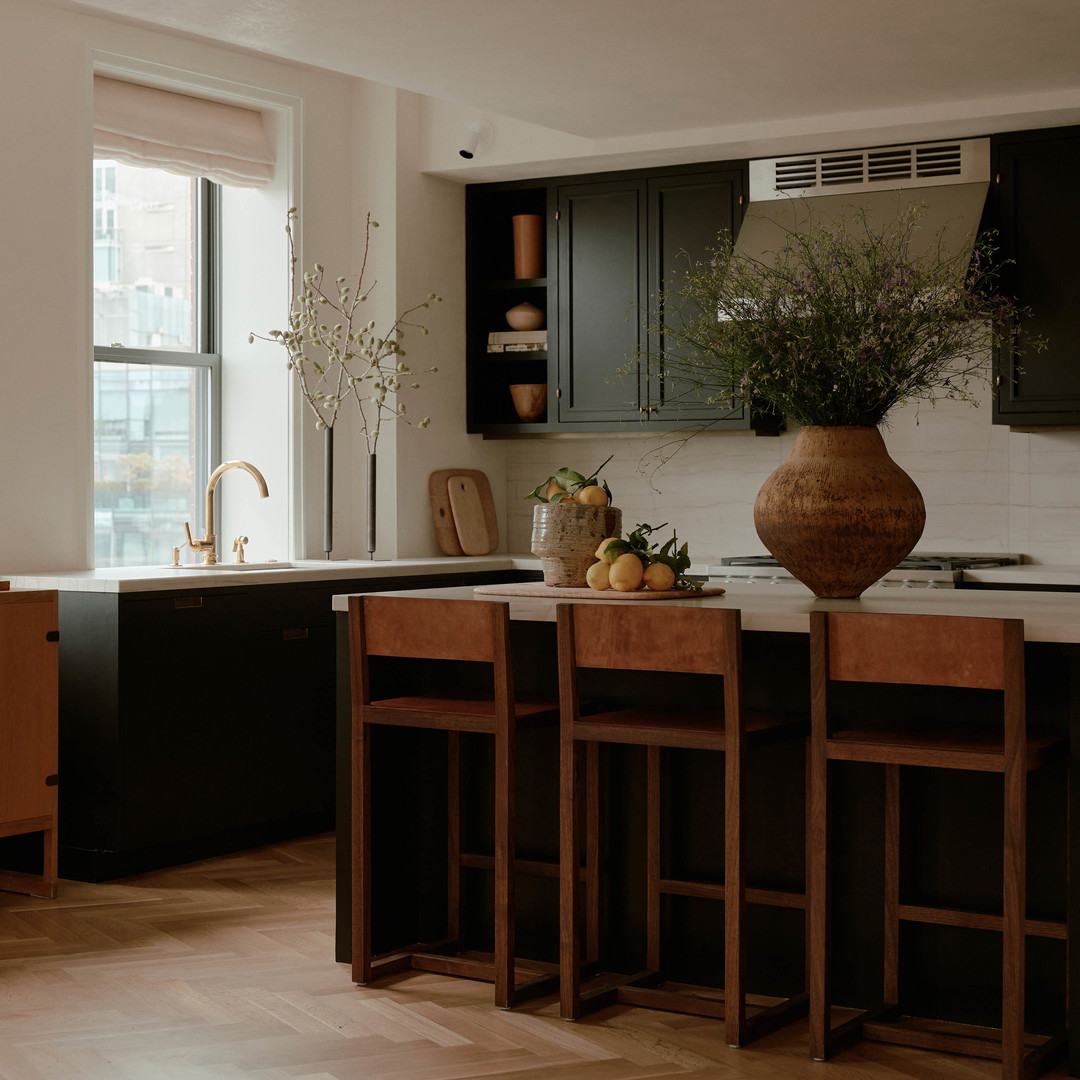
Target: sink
{"points": [[228, 566]]}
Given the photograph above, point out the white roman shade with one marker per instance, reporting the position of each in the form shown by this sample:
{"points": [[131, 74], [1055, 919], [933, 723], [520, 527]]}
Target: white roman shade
{"points": [[191, 136]]}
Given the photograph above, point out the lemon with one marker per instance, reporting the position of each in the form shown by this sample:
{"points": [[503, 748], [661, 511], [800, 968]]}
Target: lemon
{"points": [[626, 573], [554, 489], [596, 577], [594, 495], [601, 550], [659, 576]]}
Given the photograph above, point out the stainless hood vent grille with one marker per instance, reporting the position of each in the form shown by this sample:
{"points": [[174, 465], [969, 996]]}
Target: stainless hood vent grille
{"points": [[868, 170], [948, 179]]}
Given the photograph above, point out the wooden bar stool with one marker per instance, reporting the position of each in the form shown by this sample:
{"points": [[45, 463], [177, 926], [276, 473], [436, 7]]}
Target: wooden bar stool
{"points": [[456, 630], [658, 638], [941, 651]]}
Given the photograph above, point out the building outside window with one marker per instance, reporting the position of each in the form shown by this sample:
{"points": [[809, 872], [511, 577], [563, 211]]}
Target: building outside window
{"points": [[156, 360]]}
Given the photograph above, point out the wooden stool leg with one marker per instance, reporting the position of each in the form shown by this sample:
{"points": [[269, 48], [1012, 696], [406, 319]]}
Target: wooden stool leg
{"points": [[652, 858], [361, 854], [734, 894], [593, 801], [817, 888], [1015, 900], [569, 877], [891, 959], [504, 868]]}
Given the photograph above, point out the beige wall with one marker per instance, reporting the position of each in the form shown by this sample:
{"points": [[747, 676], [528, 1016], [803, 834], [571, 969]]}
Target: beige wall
{"points": [[362, 146]]}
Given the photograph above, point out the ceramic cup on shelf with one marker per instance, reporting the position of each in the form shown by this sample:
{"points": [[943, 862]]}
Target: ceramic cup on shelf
{"points": [[530, 401]]}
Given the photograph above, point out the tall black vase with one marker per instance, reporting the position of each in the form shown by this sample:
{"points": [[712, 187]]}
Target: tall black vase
{"points": [[328, 491], [371, 506]]}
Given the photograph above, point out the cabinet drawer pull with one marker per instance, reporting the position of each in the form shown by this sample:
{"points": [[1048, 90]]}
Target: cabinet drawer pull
{"points": [[188, 602], [52, 781], [298, 632], [52, 635]]}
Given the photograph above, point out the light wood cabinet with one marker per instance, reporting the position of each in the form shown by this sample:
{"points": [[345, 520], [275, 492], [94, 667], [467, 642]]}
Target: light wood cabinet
{"points": [[28, 729]]}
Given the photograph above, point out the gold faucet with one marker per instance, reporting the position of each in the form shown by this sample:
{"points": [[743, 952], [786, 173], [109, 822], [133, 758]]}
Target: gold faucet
{"points": [[208, 544]]}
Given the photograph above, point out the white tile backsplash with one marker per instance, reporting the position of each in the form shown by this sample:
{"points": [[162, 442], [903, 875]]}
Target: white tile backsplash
{"points": [[986, 488]]}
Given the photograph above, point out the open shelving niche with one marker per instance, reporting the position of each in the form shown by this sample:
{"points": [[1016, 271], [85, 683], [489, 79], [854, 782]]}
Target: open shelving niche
{"points": [[493, 291]]}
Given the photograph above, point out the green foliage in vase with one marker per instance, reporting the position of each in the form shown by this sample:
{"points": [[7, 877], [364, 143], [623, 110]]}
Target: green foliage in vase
{"points": [[846, 322], [335, 351]]}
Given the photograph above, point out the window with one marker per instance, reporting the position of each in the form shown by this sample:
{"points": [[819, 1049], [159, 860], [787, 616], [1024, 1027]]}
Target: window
{"points": [[156, 360]]}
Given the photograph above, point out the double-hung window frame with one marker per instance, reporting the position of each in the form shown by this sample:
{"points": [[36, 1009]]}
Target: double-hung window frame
{"points": [[207, 352]]}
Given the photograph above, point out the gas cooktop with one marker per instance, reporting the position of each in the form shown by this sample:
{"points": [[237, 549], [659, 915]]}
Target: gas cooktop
{"points": [[915, 561]]}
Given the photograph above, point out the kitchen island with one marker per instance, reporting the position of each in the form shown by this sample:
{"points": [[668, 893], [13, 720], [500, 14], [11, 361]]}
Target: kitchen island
{"points": [[951, 973]]}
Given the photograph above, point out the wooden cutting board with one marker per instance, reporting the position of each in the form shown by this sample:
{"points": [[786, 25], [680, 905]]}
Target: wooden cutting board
{"points": [[554, 592], [464, 512], [439, 493]]}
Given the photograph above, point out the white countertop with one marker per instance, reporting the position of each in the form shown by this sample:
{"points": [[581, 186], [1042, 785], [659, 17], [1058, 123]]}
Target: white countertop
{"points": [[1050, 617], [126, 579]]}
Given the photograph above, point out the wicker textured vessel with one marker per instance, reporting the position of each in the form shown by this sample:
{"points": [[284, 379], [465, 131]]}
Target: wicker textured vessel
{"points": [[566, 537]]}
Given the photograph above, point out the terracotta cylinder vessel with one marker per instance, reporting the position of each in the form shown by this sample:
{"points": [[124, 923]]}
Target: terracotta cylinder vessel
{"points": [[528, 245], [839, 513]]}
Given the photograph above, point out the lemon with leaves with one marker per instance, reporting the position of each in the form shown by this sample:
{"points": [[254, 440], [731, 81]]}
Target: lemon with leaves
{"points": [[602, 553]]}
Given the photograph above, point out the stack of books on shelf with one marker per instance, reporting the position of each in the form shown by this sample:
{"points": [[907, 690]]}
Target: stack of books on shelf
{"points": [[517, 341]]}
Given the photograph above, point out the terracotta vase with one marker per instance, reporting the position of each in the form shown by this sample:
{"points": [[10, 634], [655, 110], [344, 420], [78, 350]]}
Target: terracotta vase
{"points": [[566, 537], [530, 401], [528, 245], [839, 513]]}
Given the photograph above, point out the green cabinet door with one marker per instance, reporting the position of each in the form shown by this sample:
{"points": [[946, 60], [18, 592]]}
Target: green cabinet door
{"points": [[1040, 235], [688, 215], [602, 292]]}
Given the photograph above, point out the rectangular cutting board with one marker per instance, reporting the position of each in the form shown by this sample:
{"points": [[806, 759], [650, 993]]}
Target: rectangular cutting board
{"points": [[464, 512], [554, 592]]}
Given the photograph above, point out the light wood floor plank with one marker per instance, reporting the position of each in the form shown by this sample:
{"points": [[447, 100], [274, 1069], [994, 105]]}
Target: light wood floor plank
{"points": [[223, 970]]}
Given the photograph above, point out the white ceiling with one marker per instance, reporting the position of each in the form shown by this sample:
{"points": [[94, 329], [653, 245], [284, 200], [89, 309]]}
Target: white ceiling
{"points": [[616, 68]]}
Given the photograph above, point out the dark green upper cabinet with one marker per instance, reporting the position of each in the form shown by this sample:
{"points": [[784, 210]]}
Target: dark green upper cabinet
{"points": [[687, 214], [1036, 212], [601, 299], [613, 241]]}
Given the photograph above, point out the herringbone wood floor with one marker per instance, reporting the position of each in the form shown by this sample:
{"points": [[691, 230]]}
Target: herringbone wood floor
{"points": [[224, 969]]}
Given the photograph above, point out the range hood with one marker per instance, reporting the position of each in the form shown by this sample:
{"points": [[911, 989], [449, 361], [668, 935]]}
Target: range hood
{"points": [[950, 179]]}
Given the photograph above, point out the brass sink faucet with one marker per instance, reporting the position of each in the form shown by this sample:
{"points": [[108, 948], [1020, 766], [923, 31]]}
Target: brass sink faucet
{"points": [[208, 544]]}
